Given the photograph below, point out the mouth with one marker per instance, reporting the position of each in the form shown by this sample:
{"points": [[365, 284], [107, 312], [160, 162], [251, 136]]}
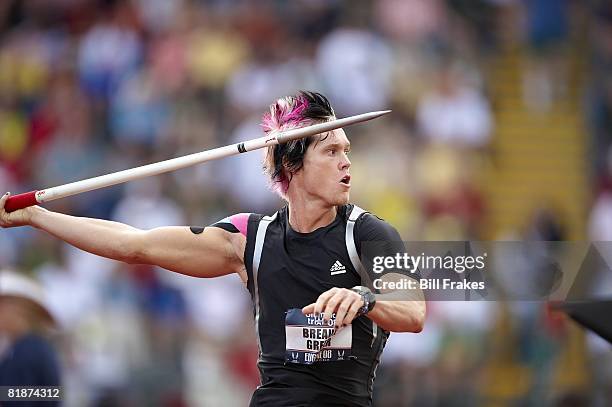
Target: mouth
{"points": [[346, 180]]}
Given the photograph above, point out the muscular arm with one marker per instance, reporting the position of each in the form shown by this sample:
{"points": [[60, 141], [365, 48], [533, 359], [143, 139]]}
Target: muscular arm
{"points": [[399, 310], [212, 253]]}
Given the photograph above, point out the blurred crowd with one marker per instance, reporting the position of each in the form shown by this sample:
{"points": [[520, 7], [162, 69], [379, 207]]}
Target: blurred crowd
{"points": [[89, 87]]}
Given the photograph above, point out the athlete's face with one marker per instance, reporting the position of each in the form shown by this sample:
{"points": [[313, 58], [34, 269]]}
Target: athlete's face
{"points": [[325, 174]]}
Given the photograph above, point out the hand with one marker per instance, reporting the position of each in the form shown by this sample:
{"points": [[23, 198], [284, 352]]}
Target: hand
{"points": [[20, 217], [344, 302]]}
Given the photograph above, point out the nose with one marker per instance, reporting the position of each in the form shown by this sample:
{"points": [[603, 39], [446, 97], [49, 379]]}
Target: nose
{"points": [[345, 163]]}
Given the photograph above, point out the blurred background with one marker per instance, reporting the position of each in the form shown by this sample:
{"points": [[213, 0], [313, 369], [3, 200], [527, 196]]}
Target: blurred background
{"points": [[501, 130]]}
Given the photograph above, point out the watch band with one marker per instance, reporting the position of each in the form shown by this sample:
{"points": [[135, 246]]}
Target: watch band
{"points": [[369, 299]]}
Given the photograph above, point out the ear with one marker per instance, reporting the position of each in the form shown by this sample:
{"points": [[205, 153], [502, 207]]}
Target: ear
{"points": [[291, 173]]}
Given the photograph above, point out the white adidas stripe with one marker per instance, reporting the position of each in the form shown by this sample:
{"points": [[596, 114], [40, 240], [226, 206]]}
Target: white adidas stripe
{"points": [[337, 268]]}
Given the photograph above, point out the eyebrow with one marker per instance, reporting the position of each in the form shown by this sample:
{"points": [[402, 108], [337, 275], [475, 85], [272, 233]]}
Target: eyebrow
{"points": [[335, 144]]}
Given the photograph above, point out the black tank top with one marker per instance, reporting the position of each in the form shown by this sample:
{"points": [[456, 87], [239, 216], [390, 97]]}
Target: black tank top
{"points": [[294, 269]]}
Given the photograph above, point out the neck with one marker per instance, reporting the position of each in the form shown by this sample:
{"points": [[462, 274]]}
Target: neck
{"points": [[307, 216]]}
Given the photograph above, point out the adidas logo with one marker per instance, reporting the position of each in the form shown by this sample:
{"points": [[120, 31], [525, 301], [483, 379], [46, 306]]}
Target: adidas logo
{"points": [[337, 268]]}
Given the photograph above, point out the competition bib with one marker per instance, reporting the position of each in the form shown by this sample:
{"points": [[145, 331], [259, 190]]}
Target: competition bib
{"points": [[309, 339]]}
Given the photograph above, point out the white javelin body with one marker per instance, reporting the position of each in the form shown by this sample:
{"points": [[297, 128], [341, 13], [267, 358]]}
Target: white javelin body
{"points": [[50, 194]]}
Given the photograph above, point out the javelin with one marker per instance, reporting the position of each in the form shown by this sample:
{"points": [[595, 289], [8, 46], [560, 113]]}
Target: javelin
{"points": [[50, 194]]}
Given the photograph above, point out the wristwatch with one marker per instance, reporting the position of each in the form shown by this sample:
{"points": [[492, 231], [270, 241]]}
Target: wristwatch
{"points": [[368, 297]]}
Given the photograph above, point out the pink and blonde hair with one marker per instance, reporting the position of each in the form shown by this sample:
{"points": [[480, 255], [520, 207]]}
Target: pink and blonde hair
{"points": [[289, 112]]}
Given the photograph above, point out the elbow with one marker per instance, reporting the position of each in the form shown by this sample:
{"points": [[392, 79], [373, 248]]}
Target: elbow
{"points": [[132, 258], [419, 319], [412, 320], [135, 255], [418, 325], [129, 250]]}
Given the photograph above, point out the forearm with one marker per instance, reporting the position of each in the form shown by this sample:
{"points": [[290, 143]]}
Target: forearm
{"points": [[396, 311], [396, 315], [101, 237]]}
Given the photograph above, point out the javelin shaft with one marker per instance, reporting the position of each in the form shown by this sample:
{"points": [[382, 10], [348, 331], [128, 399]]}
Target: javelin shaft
{"points": [[46, 195]]}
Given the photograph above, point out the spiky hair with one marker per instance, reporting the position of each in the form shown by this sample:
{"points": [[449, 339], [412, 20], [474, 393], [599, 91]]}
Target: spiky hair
{"points": [[289, 112]]}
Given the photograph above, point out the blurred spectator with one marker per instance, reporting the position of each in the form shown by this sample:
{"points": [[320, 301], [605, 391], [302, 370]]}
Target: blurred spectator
{"points": [[546, 226], [600, 219], [214, 53], [600, 223], [545, 77], [108, 52], [454, 112], [159, 16], [355, 66], [27, 358], [451, 205], [264, 78], [139, 112], [414, 21], [144, 206], [600, 228], [600, 89]]}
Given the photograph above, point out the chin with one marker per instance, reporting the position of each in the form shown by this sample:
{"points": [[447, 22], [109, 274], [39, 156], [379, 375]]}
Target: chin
{"points": [[341, 199]]}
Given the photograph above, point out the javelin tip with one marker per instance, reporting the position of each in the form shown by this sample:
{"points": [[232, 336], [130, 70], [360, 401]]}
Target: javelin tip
{"points": [[328, 126], [372, 115]]}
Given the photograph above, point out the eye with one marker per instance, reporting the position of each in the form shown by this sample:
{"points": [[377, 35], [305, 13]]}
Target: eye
{"points": [[331, 151]]}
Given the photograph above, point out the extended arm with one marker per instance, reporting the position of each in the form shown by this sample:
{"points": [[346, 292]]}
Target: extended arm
{"points": [[212, 253]]}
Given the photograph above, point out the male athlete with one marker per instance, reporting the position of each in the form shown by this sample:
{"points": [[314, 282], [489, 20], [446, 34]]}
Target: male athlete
{"points": [[320, 328]]}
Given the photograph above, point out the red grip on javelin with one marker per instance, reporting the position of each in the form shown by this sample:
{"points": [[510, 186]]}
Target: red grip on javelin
{"points": [[21, 201]]}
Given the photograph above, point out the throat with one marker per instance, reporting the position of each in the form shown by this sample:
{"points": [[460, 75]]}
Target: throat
{"points": [[308, 220]]}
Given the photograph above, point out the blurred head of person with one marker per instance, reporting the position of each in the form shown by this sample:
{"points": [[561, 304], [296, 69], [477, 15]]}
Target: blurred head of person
{"points": [[315, 168], [22, 306]]}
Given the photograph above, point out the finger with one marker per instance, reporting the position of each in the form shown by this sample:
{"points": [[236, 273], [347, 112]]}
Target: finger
{"points": [[332, 305], [343, 308], [3, 199], [322, 300], [352, 313], [309, 309]]}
